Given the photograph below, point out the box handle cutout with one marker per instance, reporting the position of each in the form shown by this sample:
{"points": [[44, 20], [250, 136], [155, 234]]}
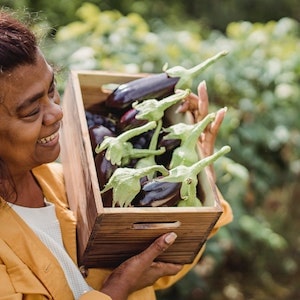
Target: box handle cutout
{"points": [[155, 225]]}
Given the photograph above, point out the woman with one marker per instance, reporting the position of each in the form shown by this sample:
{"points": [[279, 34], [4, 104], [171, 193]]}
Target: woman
{"points": [[37, 230]]}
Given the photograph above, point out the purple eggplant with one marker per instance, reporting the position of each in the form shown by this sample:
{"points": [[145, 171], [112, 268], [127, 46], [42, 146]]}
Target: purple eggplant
{"points": [[157, 86], [97, 134], [104, 168], [128, 120], [170, 145], [155, 193], [154, 86], [150, 110]]}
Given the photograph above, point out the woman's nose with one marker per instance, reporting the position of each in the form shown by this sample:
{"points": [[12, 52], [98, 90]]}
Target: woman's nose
{"points": [[53, 113]]}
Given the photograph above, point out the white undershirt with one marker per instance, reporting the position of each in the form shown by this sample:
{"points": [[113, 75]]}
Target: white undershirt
{"points": [[44, 223]]}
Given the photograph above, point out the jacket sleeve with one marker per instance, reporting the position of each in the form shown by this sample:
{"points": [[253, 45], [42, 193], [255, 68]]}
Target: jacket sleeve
{"points": [[225, 218]]}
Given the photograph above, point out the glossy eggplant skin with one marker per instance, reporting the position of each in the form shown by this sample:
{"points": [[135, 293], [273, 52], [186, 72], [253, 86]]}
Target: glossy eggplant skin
{"points": [[156, 193], [104, 168], [155, 86], [129, 121], [170, 145], [97, 134]]}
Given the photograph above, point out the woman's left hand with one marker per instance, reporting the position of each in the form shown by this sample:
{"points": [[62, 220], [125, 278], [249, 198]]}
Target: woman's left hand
{"points": [[198, 106]]}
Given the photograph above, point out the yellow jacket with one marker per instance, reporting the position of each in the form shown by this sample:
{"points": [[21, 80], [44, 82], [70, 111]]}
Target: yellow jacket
{"points": [[29, 271]]}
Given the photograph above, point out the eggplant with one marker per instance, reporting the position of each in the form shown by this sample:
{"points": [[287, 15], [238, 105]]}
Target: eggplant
{"points": [[157, 86], [170, 145], [129, 121], [154, 86], [104, 168], [156, 193], [97, 134], [107, 198], [150, 110]]}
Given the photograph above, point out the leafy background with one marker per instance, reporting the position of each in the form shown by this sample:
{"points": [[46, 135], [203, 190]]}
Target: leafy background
{"points": [[257, 256]]}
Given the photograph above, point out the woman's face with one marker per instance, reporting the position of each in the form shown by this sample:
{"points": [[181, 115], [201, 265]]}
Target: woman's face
{"points": [[30, 117]]}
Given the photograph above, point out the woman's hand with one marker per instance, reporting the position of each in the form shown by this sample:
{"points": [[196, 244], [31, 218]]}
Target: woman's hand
{"points": [[140, 271], [198, 106]]}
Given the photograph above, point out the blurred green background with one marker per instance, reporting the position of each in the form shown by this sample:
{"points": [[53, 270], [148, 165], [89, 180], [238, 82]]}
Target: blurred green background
{"points": [[257, 256]]}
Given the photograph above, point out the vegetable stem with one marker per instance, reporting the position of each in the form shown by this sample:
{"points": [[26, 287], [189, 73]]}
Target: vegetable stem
{"points": [[153, 109], [186, 75], [150, 160], [186, 154]]}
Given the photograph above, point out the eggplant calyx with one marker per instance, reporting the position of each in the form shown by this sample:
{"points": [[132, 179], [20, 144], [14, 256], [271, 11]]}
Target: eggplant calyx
{"points": [[153, 109]]}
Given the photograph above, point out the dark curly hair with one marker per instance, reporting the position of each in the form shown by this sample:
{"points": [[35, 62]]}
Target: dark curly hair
{"points": [[18, 45]]}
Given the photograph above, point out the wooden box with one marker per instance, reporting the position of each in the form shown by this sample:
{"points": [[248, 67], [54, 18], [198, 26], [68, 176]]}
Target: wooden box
{"points": [[108, 236]]}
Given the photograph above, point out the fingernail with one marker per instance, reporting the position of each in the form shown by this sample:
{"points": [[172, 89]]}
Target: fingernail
{"points": [[170, 238]]}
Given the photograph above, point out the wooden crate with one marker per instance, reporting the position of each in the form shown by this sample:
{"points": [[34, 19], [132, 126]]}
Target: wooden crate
{"points": [[108, 236]]}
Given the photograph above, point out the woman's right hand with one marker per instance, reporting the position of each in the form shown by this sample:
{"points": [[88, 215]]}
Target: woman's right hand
{"points": [[141, 271]]}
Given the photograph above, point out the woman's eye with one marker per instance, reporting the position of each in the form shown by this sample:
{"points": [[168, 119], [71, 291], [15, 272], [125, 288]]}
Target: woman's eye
{"points": [[33, 112], [52, 90], [30, 112]]}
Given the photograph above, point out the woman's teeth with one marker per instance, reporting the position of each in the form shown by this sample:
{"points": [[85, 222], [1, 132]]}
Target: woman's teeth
{"points": [[47, 139]]}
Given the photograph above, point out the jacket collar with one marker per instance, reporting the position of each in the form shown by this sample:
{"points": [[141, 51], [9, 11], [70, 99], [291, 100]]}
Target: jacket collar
{"points": [[32, 253]]}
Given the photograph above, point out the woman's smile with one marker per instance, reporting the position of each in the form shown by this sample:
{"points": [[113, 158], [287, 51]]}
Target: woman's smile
{"points": [[53, 138]]}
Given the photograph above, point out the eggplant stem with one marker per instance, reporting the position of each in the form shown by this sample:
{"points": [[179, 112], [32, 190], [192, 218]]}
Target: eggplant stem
{"points": [[155, 136], [138, 153], [204, 162], [186, 75], [150, 160], [186, 153], [127, 135], [153, 109]]}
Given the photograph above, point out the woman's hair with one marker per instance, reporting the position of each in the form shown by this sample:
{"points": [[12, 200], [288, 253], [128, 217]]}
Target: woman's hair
{"points": [[18, 45]]}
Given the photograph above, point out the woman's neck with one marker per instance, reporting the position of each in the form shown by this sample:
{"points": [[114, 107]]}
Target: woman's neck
{"points": [[29, 193]]}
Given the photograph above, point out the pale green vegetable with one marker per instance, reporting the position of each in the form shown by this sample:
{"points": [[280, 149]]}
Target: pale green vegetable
{"points": [[125, 183], [188, 176]]}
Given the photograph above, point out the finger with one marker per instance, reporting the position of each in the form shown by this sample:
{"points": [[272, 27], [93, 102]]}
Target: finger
{"points": [[216, 124], [166, 269], [202, 101], [160, 245], [189, 103], [209, 136]]}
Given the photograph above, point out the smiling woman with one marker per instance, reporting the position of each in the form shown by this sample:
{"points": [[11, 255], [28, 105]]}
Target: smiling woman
{"points": [[37, 229], [30, 120]]}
